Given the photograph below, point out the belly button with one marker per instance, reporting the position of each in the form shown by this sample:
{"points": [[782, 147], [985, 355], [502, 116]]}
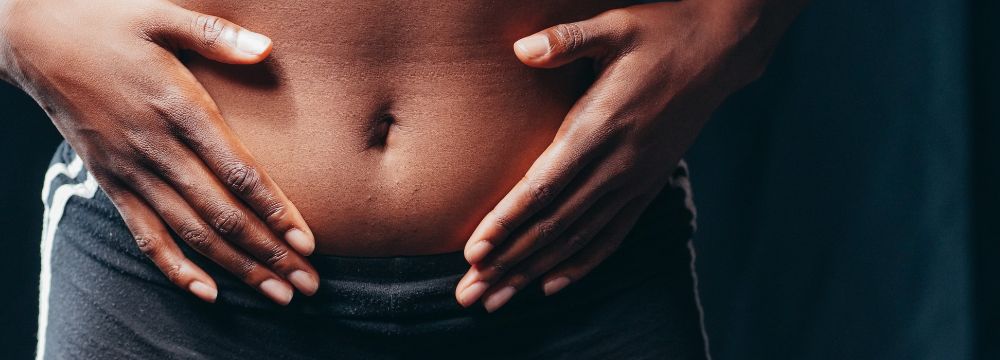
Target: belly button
{"points": [[379, 135]]}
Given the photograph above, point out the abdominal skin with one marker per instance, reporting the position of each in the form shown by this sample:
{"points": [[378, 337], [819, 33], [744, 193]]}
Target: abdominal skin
{"points": [[394, 127]]}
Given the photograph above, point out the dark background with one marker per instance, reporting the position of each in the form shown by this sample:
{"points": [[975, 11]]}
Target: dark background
{"points": [[848, 201]]}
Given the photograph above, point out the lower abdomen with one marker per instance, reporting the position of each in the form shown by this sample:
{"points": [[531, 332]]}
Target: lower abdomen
{"points": [[392, 142]]}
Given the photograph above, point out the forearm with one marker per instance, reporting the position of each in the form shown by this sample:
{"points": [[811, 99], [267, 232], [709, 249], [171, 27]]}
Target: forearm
{"points": [[767, 18], [752, 29]]}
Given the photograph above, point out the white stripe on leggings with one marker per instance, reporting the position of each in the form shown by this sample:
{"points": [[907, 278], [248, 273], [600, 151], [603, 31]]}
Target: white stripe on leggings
{"points": [[54, 212], [50, 221], [685, 183]]}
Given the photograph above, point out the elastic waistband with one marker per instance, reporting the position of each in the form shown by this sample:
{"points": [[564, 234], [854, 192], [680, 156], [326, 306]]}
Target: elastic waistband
{"points": [[400, 290], [390, 269], [414, 295], [394, 292]]}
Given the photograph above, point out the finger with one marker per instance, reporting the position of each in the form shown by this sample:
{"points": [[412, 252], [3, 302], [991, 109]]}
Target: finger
{"points": [[211, 36], [194, 231], [545, 180], [201, 127], [155, 241], [590, 126], [501, 286], [221, 40], [601, 36], [550, 224], [583, 262], [603, 113], [233, 220]]}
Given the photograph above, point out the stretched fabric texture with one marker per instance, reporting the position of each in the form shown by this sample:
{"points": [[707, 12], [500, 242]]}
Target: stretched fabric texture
{"points": [[824, 192]]}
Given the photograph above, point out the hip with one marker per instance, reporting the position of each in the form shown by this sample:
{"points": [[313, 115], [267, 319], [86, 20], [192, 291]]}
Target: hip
{"points": [[100, 293]]}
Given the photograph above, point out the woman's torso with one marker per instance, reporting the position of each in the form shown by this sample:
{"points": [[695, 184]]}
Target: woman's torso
{"points": [[395, 126]]}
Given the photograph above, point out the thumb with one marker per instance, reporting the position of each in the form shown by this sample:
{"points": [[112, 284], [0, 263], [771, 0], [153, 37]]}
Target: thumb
{"points": [[216, 38], [602, 36]]}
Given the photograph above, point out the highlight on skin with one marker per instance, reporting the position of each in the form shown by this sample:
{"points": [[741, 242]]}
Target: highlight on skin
{"points": [[531, 138]]}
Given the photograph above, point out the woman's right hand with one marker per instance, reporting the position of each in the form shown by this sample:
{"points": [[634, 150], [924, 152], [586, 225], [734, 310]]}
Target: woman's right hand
{"points": [[107, 74]]}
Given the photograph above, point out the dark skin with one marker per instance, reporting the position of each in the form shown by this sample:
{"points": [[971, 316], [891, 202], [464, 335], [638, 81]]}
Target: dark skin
{"points": [[175, 165], [663, 70]]}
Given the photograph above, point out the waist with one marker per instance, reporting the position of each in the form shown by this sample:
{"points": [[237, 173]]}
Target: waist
{"points": [[388, 294], [404, 163], [395, 127], [413, 296], [639, 301], [379, 293]]}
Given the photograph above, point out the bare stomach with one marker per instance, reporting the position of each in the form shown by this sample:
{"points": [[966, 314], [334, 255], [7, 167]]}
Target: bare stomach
{"points": [[394, 126]]}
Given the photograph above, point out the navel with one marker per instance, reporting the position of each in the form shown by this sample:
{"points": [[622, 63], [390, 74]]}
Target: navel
{"points": [[381, 125]]}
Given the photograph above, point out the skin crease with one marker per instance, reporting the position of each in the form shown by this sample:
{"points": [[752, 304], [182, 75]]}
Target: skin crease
{"points": [[469, 120]]}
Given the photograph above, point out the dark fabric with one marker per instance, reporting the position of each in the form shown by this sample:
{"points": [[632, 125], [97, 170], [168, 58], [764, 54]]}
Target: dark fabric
{"points": [[107, 301], [759, 305]]}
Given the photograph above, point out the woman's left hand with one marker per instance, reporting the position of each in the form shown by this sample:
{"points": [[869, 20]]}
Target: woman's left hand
{"points": [[663, 69]]}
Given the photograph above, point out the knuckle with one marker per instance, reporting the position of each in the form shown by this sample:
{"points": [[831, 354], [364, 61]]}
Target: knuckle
{"points": [[276, 256], [138, 139], [173, 272], [241, 178], [147, 244], [244, 269], [169, 110], [618, 168], [502, 221], [615, 126], [196, 236], [209, 29], [569, 37], [274, 212], [499, 267], [174, 112], [131, 174], [170, 169], [518, 280], [168, 101], [541, 191], [548, 228], [228, 221]]}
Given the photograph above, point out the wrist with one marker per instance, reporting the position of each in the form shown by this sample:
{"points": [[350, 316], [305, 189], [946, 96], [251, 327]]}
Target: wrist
{"points": [[752, 29]]}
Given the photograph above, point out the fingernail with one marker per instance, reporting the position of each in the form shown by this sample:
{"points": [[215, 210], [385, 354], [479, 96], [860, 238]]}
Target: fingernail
{"points": [[277, 291], [553, 286], [300, 241], [533, 46], [472, 293], [498, 299], [303, 281], [203, 291], [252, 43], [479, 251]]}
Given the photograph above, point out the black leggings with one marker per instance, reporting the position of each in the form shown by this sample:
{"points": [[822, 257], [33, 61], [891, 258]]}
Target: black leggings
{"points": [[102, 299]]}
